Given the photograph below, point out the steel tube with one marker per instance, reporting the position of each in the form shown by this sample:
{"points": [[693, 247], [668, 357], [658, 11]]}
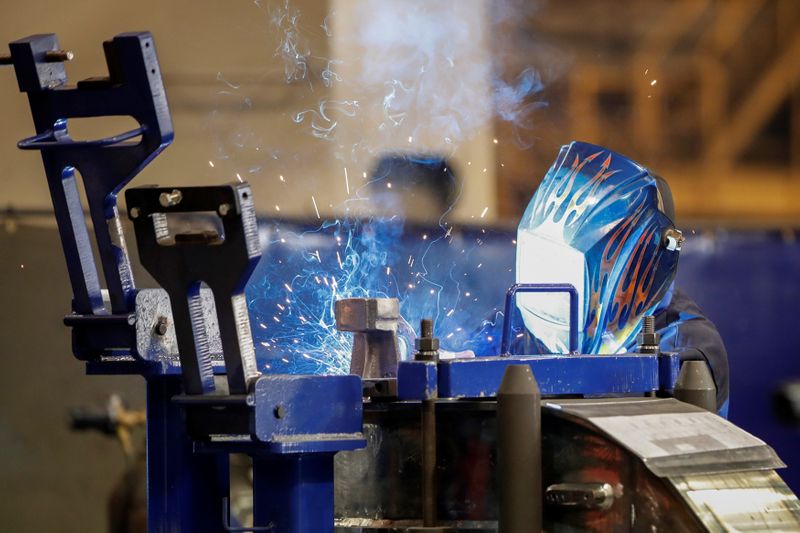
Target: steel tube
{"points": [[541, 287]]}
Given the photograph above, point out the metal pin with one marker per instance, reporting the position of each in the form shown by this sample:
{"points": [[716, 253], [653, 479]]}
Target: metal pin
{"points": [[519, 451], [6, 60], [169, 199], [58, 56], [695, 385]]}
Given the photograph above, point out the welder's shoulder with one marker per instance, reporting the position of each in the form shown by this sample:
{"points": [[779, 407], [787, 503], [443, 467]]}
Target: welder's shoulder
{"points": [[686, 330]]}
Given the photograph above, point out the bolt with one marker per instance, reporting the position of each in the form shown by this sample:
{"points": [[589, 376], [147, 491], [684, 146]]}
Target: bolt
{"points": [[169, 199], [648, 339], [223, 209], [426, 328], [58, 56], [135, 212], [6, 60], [161, 326], [279, 411], [426, 344]]}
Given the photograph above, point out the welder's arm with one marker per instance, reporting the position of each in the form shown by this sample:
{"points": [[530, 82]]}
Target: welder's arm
{"points": [[685, 330]]}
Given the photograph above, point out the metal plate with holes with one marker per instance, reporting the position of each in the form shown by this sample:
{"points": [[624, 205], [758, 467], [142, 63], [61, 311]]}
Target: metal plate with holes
{"points": [[152, 305]]}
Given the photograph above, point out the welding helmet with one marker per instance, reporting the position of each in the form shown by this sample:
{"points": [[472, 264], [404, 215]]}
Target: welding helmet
{"points": [[604, 224]]}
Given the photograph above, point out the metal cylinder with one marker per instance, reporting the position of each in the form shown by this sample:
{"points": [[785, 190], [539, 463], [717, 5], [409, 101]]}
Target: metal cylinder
{"points": [[695, 385], [519, 452]]}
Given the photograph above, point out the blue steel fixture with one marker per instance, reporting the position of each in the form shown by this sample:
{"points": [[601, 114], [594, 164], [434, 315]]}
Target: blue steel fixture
{"points": [[132, 88], [190, 432], [291, 425]]}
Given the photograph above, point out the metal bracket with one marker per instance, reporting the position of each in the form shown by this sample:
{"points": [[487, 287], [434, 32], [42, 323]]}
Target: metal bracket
{"points": [[541, 287], [373, 322], [132, 88], [181, 262]]}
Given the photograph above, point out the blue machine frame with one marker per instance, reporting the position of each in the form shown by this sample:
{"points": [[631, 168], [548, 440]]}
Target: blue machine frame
{"points": [[291, 438]]}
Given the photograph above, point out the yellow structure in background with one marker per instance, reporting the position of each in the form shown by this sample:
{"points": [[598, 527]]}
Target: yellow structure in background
{"points": [[704, 92]]}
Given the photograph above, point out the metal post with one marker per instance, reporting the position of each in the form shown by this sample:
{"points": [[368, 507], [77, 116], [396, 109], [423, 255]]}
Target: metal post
{"points": [[428, 350], [519, 451], [293, 493], [429, 463], [182, 487]]}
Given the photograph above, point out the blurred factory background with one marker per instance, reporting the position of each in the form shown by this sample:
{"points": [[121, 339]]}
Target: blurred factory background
{"points": [[303, 99]]}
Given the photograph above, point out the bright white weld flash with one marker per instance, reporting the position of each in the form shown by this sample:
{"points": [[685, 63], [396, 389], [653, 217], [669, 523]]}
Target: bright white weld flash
{"points": [[346, 181], [485, 210], [211, 164]]}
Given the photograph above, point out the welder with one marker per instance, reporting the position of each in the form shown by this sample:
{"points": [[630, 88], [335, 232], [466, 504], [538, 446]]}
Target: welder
{"points": [[606, 225]]}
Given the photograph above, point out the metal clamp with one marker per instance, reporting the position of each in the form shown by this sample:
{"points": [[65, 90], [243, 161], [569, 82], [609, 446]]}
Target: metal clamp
{"points": [[541, 287], [182, 262], [132, 88]]}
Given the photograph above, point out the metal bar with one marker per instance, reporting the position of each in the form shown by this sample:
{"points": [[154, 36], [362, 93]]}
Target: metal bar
{"points": [[556, 374], [429, 462], [541, 287]]}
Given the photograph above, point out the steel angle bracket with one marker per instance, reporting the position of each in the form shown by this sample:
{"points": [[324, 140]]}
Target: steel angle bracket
{"points": [[223, 259]]}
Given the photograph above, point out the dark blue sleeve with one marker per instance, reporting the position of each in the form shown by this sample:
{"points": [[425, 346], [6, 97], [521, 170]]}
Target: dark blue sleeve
{"points": [[685, 330]]}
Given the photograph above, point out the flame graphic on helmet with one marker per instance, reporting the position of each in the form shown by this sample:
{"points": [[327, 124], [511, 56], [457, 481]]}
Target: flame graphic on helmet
{"points": [[607, 207]]}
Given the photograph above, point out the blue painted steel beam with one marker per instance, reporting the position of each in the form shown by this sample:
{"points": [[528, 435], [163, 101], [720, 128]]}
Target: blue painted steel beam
{"points": [[556, 374], [417, 380]]}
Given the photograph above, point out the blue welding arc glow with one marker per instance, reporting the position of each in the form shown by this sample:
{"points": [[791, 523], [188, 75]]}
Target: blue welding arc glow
{"points": [[541, 288], [457, 277]]}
